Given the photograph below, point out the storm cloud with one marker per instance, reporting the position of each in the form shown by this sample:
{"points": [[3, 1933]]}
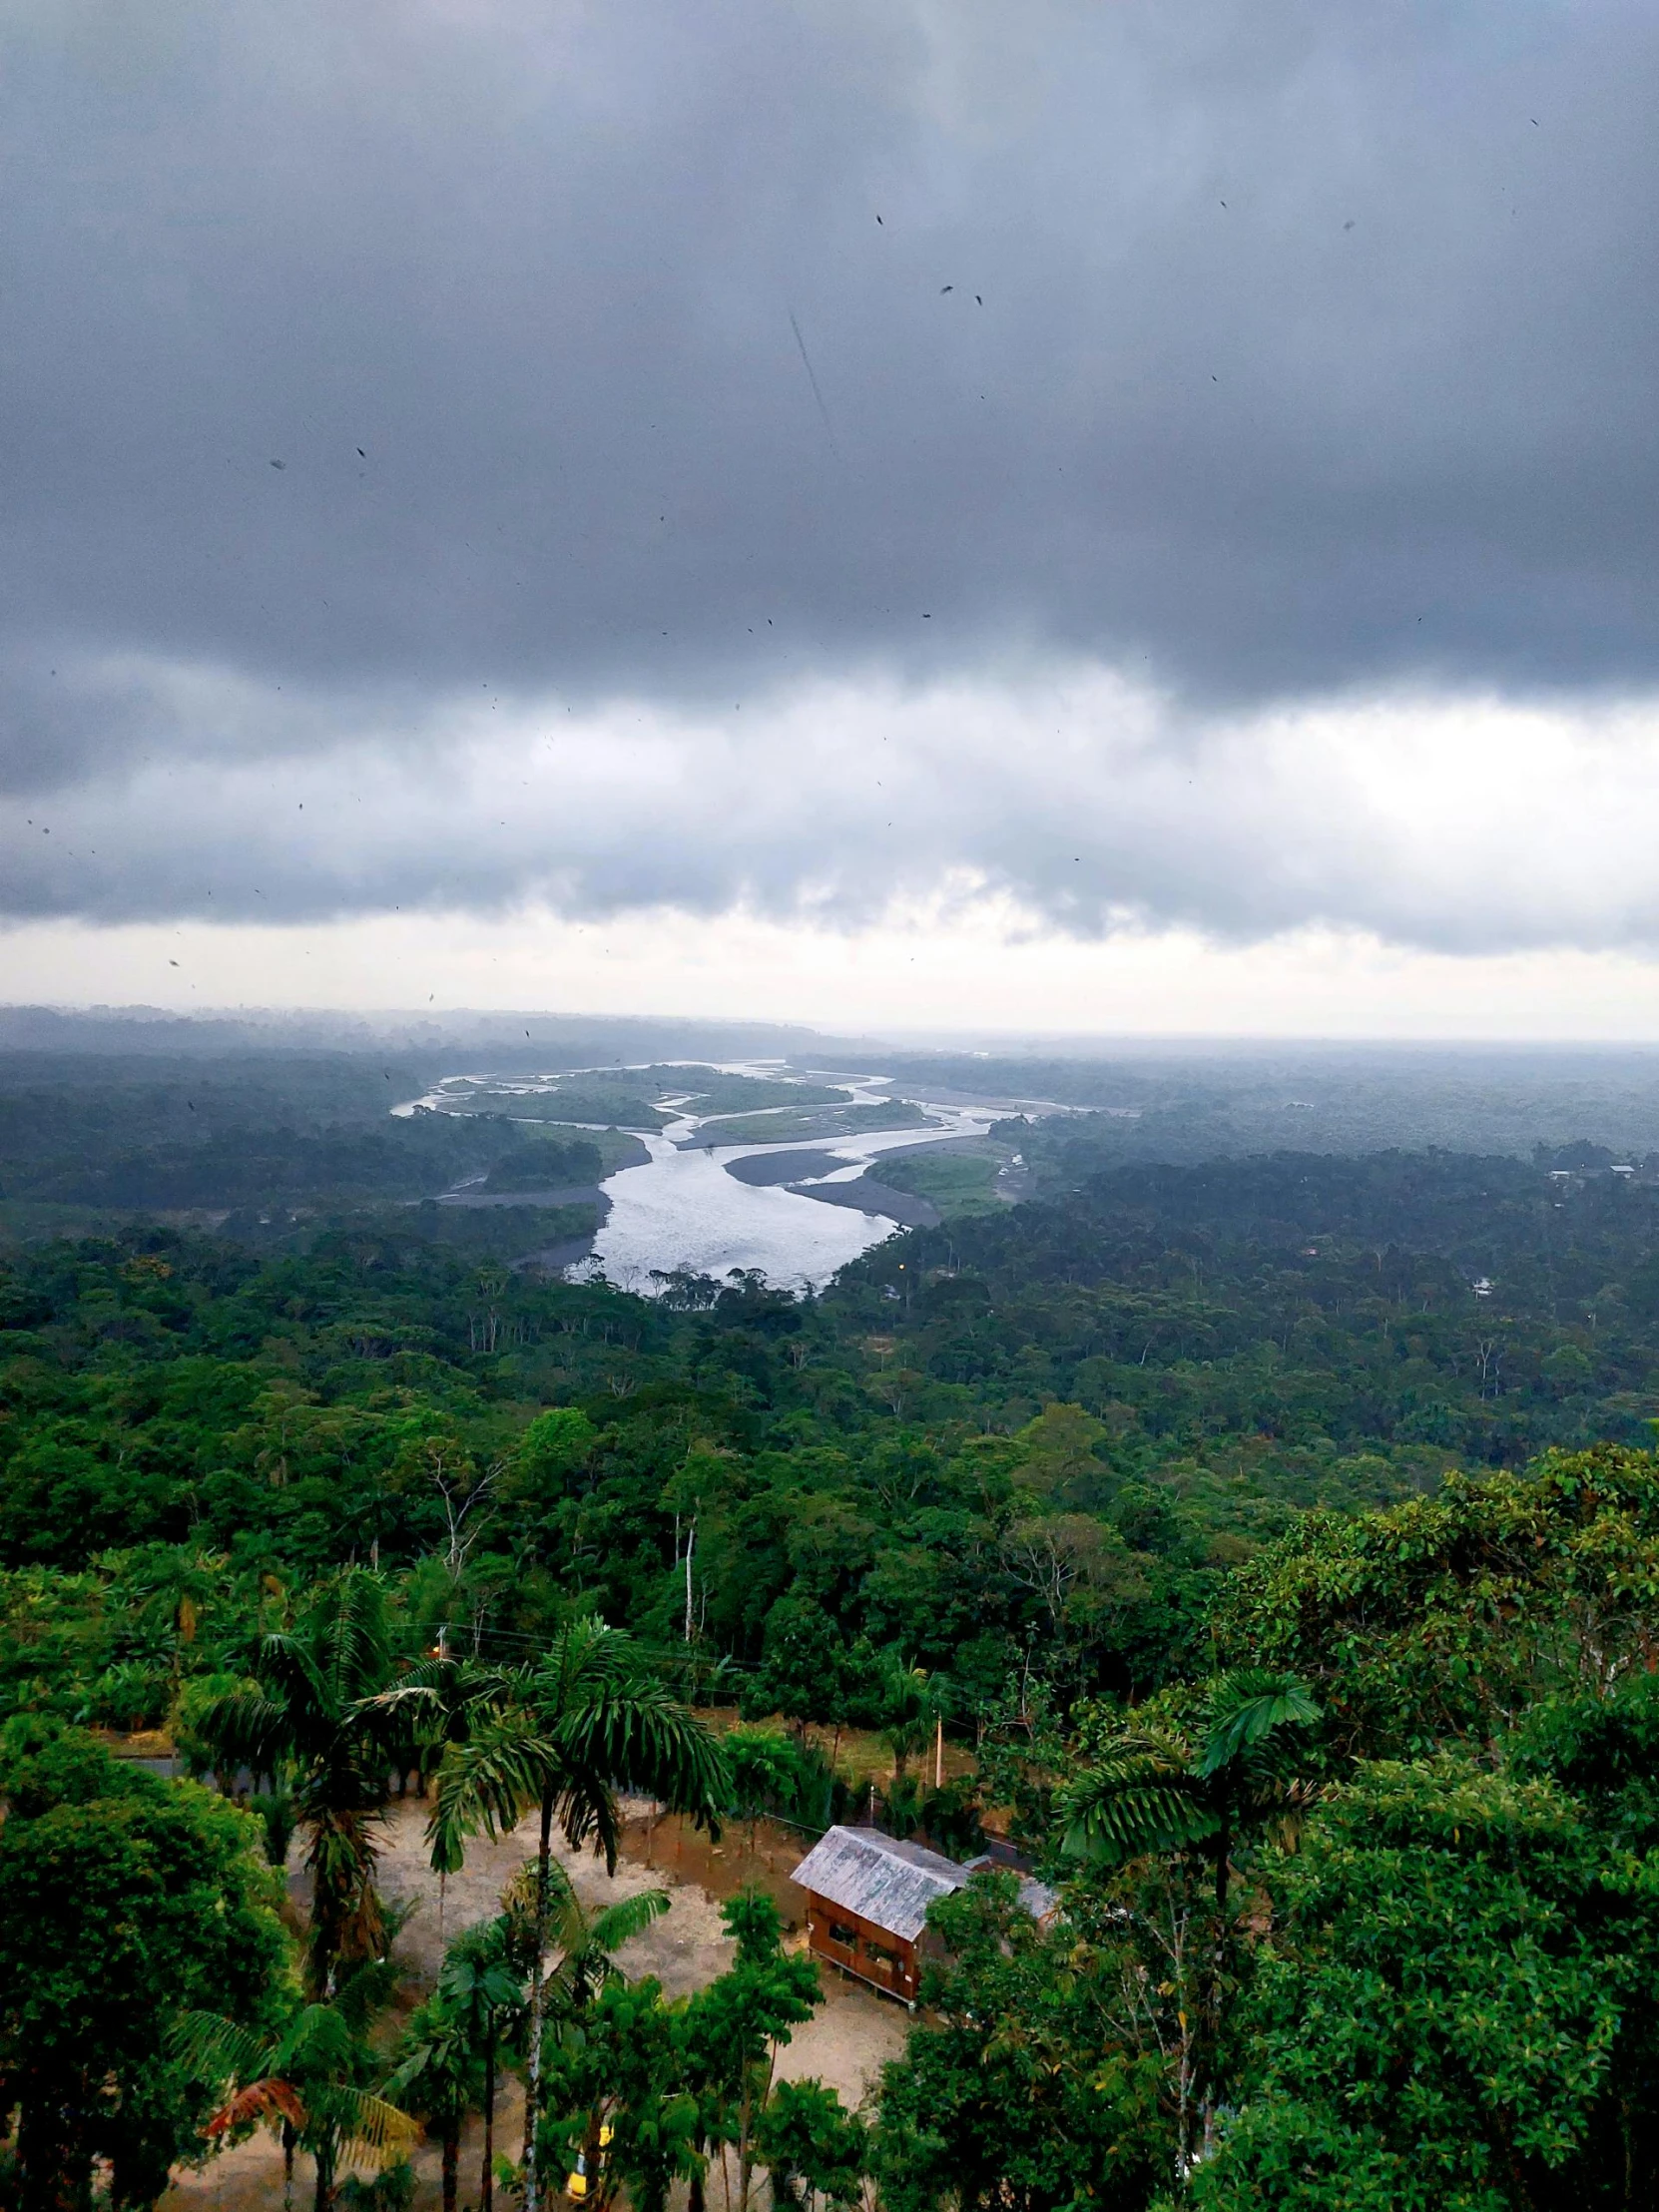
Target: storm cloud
{"points": [[394, 395]]}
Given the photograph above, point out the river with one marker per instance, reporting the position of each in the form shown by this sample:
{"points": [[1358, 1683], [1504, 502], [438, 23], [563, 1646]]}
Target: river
{"points": [[685, 1211], [682, 1211]]}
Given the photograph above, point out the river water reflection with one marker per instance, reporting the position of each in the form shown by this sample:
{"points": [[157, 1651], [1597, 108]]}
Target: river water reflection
{"points": [[683, 1210]]}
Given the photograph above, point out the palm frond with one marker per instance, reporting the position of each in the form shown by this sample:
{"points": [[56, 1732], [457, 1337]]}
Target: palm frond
{"points": [[588, 1813], [459, 1681], [362, 1648], [585, 1657], [363, 1988], [619, 1923], [290, 1672], [247, 1728], [216, 2050], [1112, 1824], [489, 1781], [372, 2126], [443, 1696], [344, 1639], [638, 1736], [316, 2041], [1246, 1708], [272, 2099]]}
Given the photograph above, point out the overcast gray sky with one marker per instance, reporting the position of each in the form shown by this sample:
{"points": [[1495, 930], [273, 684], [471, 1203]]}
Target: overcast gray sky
{"points": [[1111, 470]]}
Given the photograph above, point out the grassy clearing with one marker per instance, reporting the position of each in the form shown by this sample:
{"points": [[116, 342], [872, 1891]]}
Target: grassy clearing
{"points": [[958, 1183], [806, 1126]]}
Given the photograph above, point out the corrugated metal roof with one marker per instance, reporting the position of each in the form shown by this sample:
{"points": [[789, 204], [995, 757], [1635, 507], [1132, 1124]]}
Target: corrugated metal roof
{"points": [[883, 1881], [891, 1884], [1036, 1897]]}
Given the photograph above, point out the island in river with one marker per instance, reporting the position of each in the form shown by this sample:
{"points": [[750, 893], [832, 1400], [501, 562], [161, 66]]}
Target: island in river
{"points": [[750, 1165]]}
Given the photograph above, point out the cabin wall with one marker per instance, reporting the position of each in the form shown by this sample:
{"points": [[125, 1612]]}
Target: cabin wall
{"points": [[844, 1939]]}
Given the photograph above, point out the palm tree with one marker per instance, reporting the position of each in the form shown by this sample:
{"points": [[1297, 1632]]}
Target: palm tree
{"points": [[481, 1989], [564, 1736], [312, 1710], [910, 1709], [440, 2079], [1149, 1790], [1153, 1790], [587, 1943], [307, 2081]]}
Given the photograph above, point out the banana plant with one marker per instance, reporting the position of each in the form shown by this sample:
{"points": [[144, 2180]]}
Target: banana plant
{"points": [[308, 2082]]}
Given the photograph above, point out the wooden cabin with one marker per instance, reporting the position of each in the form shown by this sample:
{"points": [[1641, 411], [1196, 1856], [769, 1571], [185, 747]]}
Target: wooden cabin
{"points": [[866, 1903]]}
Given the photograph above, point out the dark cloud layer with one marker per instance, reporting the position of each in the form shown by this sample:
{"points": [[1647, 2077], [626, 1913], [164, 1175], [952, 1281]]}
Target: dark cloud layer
{"points": [[364, 367], [1315, 344]]}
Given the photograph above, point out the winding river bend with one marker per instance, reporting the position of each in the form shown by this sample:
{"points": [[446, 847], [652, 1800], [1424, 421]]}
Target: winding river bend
{"points": [[683, 1210]]}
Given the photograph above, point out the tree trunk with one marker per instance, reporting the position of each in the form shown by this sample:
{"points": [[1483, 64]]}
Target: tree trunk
{"points": [[451, 2164], [487, 2183], [288, 2166], [749, 2111], [601, 2187], [532, 2088], [1209, 1994], [52, 2176]]}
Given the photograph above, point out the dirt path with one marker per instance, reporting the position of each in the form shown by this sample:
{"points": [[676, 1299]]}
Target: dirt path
{"points": [[845, 2044]]}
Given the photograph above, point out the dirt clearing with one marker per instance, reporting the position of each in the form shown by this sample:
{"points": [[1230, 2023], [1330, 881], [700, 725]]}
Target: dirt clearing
{"points": [[844, 2045]]}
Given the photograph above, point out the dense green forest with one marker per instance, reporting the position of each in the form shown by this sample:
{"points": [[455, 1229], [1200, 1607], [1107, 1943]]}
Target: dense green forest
{"points": [[1029, 1437], [1278, 1533]]}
